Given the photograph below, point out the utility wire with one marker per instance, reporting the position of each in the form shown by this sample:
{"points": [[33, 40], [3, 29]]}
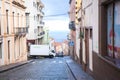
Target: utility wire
{"points": [[54, 15]]}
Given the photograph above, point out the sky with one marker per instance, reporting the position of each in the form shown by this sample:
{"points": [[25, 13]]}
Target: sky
{"points": [[56, 14]]}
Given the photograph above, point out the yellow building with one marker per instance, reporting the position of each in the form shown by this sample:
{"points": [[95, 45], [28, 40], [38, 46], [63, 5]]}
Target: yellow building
{"points": [[12, 32], [77, 9]]}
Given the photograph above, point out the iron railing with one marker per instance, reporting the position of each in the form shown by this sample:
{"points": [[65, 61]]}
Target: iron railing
{"points": [[41, 33], [20, 30]]}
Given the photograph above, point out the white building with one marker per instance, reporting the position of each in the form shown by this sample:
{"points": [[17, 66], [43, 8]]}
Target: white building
{"points": [[12, 32], [34, 16]]}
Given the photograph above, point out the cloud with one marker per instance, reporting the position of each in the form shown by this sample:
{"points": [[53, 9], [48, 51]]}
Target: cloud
{"points": [[53, 7]]}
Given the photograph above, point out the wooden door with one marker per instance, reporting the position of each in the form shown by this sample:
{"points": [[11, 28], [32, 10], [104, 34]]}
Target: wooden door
{"points": [[87, 49]]}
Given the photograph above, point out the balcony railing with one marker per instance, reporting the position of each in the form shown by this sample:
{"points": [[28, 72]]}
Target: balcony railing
{"points": [[40, 12], [41, 34], [17, 3], [42, 22], [20, 30], [72, 25]]}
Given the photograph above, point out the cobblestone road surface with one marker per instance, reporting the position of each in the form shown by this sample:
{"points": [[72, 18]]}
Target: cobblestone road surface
{"points": [[40, 69]]}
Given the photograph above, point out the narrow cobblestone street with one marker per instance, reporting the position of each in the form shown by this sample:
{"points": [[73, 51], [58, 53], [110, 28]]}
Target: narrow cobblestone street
{"points": [[57, 68], [40, 69]]}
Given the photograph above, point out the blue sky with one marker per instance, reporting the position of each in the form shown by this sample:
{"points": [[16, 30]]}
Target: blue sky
{"points": [[58, 25], [54, 7]]}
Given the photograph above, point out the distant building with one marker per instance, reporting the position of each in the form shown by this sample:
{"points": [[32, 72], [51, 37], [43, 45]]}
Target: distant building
{"points": [[65, 47], [58, 47], [51, 44], [12, 32], [46, 36], [35, 24], [72, 28]]}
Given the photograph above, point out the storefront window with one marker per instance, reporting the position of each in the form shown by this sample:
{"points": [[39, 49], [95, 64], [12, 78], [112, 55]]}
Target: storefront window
{"points": [[110, 32], [0, 50], [113, 31], [117, 30]]}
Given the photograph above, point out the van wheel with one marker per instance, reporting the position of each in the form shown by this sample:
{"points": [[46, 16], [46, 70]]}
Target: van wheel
{"points": [[51, 56]]}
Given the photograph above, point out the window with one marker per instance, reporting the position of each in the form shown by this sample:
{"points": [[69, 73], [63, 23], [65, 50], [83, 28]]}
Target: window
{"points": [[0, 21], [27, 21], [34, 17], [76, 2], [8, 49], [113, 29], [91, 35], [0, 50], [18, 19], [7, 21], [0, 25], [110, 31], [33, 3], [13, 22]]}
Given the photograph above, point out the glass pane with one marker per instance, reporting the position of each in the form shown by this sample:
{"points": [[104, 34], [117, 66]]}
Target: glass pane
{"points": [[110, 31], [117, 29], [0, 50]]}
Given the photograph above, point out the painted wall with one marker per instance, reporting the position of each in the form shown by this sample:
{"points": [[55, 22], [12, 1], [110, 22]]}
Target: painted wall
{"points": [[95, 26], [72, 11], [89, 10], [77, 40], [33, 23], [90, 55], [10, 48]]}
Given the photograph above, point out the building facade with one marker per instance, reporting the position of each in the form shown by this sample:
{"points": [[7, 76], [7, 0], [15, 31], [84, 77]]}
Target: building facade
{"points": [[12, 32], [46, 36], [72, 27], [34, 15], [98, 37]]}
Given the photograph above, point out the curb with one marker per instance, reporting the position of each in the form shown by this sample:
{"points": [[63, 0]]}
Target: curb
{"points": [[78, 74], [71, 71], [15, 66]]}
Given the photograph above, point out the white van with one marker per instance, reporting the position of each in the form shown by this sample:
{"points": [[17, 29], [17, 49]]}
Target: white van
{"points": [[41, 50]]}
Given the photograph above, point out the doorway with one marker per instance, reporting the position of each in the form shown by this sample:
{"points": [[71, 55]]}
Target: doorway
{"points": [[87, 49]]}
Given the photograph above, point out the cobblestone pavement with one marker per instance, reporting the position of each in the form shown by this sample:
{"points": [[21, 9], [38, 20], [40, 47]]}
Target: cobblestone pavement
{"points": [[77, 70], [40, 69]]}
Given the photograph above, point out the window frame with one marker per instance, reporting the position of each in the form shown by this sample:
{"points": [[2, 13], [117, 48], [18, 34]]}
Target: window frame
{"points": [[13, 22], [1, 51], [103, 38], [7, 21]]}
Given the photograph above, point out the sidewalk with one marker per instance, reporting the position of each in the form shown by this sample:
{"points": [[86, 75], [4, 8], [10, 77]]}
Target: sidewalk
{"points": [[76, 70], [12, 66]]}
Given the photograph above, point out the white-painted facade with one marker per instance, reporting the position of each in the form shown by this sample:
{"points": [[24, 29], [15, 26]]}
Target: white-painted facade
{"points": [[86, 14], [90, 10], [12, 32], [34, 8]]}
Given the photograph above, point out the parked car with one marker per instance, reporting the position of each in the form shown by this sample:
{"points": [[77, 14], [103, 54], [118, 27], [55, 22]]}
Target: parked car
{"points": [[52, 54], [59, 54]]}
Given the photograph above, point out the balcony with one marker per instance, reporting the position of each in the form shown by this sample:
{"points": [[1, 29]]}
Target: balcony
{"points": [[72, 25], [17, 3], [40, 24], [20, 31], [41, 34]]}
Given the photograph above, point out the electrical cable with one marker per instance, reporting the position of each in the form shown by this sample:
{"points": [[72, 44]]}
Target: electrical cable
{"points": [[54, 15]]}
